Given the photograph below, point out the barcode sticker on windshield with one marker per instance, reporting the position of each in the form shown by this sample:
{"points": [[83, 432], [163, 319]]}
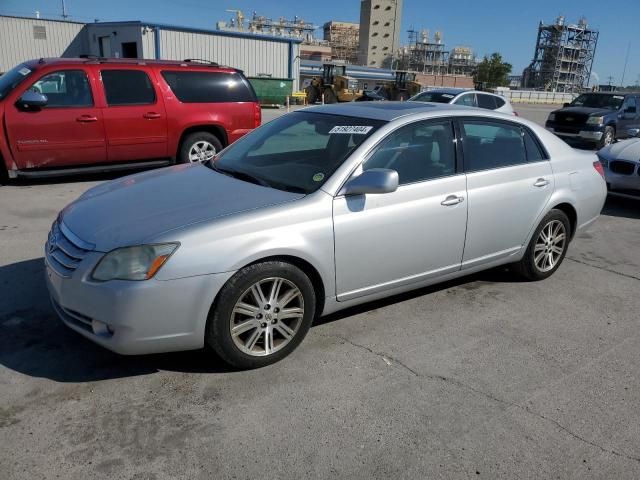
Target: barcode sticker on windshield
{"points": [[24, 71], [349, 129], [447, 95]]}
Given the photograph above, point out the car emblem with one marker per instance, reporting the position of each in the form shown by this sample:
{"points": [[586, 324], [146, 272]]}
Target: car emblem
{"points": [[569, 119]]}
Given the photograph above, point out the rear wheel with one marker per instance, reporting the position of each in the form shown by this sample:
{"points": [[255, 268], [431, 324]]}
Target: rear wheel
{"points": [[608, 137], [261, 314], [547, 247], [199, 147]]}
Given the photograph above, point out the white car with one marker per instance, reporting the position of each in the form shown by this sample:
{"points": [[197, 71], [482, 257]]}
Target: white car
{"points": [[468, 98]]}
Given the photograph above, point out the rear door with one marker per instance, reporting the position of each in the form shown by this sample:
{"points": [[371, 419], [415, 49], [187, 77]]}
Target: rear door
{"points": [[628, 120], [68, 131], [467, 100], [134, 114], [509, 182]]}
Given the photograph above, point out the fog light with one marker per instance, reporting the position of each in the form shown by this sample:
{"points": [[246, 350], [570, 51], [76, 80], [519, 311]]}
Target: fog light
{"points": [[101, 329]]}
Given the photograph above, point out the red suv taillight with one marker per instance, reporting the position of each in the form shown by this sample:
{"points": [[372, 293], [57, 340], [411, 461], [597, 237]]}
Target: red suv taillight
{"points": [[599, 168], [257, 115]]}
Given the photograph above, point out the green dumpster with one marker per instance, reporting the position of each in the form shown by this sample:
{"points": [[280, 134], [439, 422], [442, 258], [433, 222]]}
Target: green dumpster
{"points": [[272, 91]]}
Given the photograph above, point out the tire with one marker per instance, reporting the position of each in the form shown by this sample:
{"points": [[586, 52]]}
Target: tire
{"points": [[534, 270], [237, 305], [330, 96], [206, 142], [312, 95], [608, 137], [4, 175]]}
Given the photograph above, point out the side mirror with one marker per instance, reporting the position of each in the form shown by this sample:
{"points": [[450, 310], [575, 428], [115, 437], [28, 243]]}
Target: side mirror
{"points": [[376, 180], [565, 104], [32, 99]]}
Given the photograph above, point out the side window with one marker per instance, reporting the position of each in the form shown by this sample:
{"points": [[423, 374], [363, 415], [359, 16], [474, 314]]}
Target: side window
{"points": [[499, 102], [300, 136], [468, 100], [486, 101], [67, 88], [534, 153], [420, 151], [488, 145], [208, 87], [127, 87], [630, 105]]}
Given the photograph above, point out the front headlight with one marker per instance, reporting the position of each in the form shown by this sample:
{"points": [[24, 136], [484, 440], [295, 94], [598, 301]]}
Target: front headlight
{"points": [[133, 263], [552, 117], [595, 120]]}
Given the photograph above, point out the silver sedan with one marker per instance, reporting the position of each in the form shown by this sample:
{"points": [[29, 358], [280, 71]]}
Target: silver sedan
{"points": [[319, 210]]}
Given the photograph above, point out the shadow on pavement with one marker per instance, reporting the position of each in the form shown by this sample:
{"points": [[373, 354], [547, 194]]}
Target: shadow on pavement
{"points": [[34, 342], [622, 207]]}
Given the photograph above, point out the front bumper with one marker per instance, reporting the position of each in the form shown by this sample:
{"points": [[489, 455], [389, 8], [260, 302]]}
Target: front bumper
{"points": [[582, 132], [132, 318]]}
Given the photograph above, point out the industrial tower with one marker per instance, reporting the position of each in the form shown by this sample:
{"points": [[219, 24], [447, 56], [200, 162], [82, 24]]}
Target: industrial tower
{"points": [[563, 57]]}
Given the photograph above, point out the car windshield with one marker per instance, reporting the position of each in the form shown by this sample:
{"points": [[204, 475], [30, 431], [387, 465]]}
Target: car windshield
{"points": [[612, 102], [437, 97], [12, 78], [297, 152]]}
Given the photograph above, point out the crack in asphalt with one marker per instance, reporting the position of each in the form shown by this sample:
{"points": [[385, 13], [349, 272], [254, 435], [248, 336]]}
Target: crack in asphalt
{"points": [[633, 277], [464, 386]]}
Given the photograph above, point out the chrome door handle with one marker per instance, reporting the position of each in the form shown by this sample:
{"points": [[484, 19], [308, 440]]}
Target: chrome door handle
{"points": [[452, 200], [541, 182]]}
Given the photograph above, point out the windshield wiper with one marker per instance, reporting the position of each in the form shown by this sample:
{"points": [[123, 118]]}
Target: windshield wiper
{"points": [[240, 175]]}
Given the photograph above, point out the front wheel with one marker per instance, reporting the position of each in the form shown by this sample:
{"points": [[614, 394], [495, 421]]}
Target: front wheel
{"points": [[547, 247], [199, 147], [608, 137], [261, 314]]}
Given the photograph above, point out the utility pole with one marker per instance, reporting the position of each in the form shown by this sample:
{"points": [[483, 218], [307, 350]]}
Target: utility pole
{"points": [[64, 10], [624, 70]]}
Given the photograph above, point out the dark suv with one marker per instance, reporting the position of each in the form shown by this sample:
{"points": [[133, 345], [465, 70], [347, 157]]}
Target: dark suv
{"points": [[598, 118], [66, 115]]}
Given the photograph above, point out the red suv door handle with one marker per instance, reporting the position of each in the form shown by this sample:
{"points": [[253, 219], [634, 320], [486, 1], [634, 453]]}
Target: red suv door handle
{"points": [[86, 119], [151, 115]]}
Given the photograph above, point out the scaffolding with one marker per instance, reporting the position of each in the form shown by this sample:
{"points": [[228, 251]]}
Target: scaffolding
{"points": [[343, 37], [422, 55], [462, 61], [261, 25], [563, 57]]}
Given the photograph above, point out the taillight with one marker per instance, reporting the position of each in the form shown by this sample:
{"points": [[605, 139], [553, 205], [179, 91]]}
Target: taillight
{"points": [[599, 168], [257, 115]]}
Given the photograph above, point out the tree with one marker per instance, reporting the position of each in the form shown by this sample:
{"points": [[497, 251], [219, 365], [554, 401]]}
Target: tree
{"points": [[492, 72]]}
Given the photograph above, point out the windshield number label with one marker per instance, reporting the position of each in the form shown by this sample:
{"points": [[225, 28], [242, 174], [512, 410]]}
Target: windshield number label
{"points": [[351, 129]]}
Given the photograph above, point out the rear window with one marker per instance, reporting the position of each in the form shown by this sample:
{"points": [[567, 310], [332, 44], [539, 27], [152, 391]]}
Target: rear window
{"points": [[209, 87], [486, 101], [128, 87]]}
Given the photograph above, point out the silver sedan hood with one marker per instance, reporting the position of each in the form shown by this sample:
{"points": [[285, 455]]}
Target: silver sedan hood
{"points": [[136, 208]]}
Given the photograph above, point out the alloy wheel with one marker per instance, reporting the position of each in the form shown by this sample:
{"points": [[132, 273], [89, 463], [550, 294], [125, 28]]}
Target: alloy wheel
{"points": [[267, 316], [201, 151], [608, 137], [550, 245]]}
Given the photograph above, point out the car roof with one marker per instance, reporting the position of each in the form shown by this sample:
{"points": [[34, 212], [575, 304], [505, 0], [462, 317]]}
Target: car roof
{"points": [[453, 91], [388, 111], [127, 61]]}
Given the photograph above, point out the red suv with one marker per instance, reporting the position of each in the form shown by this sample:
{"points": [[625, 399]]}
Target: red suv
{"points": [[66, 115]]}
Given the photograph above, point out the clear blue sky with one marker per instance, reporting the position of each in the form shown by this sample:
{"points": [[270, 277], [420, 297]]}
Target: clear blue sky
{"points": [[508, 27]]}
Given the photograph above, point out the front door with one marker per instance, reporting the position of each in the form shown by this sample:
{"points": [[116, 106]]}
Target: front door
{"points": [[509, 182], [134, 115], [628, 119], [68, 131], [410, 235]]}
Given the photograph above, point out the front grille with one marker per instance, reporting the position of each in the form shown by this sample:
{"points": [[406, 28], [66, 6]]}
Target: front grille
{"points": [[562, 129], [621, 167], [64, 251], [571, 118]]}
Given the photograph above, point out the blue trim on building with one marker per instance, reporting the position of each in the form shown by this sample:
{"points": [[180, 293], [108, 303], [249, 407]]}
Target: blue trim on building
{"points": [[156, 33], [208, 31], [292, 61]]}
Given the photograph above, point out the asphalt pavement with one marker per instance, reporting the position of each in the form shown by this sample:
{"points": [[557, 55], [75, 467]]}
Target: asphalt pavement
{"points": [[484, 377]]}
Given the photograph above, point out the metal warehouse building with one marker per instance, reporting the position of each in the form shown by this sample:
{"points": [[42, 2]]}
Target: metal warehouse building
{"points": [[257, 55]]}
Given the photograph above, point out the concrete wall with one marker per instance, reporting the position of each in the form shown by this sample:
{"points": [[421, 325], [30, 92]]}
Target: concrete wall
{"points": [[380, 23], [18, 42]]}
